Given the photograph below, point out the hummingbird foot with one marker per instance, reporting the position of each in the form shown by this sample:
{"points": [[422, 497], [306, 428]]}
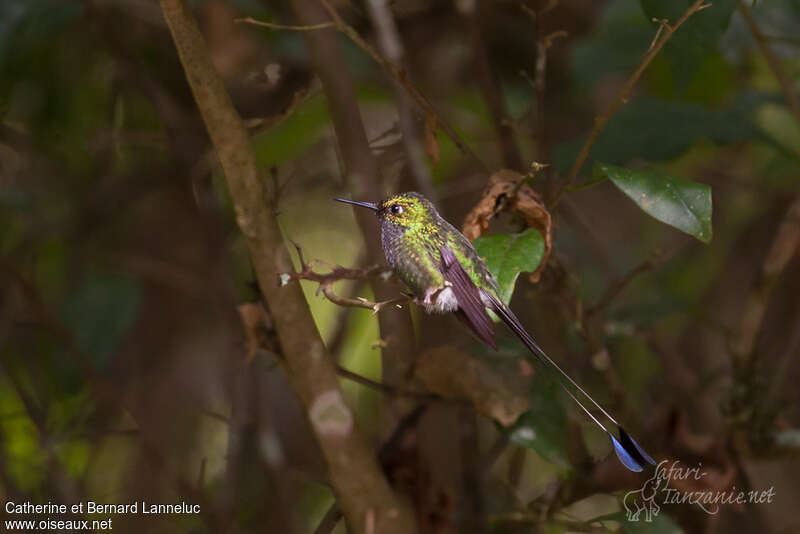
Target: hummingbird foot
{"points": [[439, 299]]}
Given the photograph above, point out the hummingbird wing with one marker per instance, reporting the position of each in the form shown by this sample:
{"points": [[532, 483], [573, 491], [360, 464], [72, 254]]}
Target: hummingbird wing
{"points": [[628, 451], [472, 310]]}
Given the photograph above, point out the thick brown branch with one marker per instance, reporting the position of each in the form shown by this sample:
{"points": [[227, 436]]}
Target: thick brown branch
{"points": [[362, 491], [665, 31]]}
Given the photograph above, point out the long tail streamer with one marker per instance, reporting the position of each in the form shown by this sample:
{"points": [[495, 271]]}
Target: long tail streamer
{"points": [[628, 451]]}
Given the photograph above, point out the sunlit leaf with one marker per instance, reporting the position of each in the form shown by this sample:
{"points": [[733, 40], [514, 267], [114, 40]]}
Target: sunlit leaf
{"points": [[678, 202], [507, 255]]}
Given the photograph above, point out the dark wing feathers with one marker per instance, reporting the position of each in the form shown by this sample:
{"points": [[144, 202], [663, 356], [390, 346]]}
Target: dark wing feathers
{"points": [[471, 307]]}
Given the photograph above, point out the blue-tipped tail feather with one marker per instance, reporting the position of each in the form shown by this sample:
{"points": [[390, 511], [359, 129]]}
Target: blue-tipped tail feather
{"points": [[627, 450]]}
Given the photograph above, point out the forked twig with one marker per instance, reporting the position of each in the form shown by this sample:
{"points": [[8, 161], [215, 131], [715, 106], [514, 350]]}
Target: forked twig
{"points": [[665, 31], [326, 281]]}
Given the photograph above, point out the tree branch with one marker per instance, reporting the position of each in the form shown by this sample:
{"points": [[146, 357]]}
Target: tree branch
{"points": [[665, 31], [392, 48], [783, 248], [326, 280], [361, 489], [614, 289], [399, 74], [488, 85], [787, 87]]}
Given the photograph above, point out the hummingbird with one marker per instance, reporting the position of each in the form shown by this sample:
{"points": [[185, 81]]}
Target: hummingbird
{"points": [[444, 274]]}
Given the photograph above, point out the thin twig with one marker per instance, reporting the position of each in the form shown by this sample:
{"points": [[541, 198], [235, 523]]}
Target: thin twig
{"points": [[329, 520], [787, 86], [384, 388], [392, 48], [614, 289], [543, 43], [400, 75], [784, 246], [291, 27], [665, 32], [490, 88], [326, 280]]}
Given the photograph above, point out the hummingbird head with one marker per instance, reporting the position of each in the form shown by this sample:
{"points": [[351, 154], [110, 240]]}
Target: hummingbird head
{"points": [[404, 209]]}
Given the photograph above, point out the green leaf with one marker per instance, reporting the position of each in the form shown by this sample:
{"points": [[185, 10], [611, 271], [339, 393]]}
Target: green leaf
{"points": [[507, 255], [696, 39], [679, 202]]}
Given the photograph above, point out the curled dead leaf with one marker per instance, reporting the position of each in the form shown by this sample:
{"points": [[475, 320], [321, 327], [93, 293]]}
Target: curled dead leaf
{"points": [[499, 196], [494, 393]]}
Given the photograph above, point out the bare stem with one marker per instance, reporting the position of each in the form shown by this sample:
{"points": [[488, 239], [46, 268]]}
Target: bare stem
{"points": [[399, 74], [392, 48], [665, 31], [613, 290], [787, 87], [326, 280], [291, 27]]}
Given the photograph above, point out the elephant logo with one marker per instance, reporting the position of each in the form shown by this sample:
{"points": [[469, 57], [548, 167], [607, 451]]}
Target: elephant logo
{"points": [[643, 500]]}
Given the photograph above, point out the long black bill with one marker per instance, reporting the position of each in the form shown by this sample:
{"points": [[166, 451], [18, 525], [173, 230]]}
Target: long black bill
{"points": [[369, 205]]}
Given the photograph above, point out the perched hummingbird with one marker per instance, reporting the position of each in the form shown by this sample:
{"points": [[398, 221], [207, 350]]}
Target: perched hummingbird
{"points": [[445, 274]]}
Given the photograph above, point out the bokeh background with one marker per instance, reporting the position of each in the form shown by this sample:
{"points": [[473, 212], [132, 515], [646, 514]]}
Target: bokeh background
{"points": [[125, 370]]}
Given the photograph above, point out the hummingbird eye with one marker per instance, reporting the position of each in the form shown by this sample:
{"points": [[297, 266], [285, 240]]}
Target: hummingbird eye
{"points": [[396, 209]]}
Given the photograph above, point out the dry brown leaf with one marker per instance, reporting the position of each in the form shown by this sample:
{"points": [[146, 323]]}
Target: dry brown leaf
{"points": [[432, 147], [527, 203], [450, 373]]}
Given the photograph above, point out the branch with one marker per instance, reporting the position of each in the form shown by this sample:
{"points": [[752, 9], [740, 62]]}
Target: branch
{"points": [[488, 85], [655, 259], [783, 248], [326, 280], [309, 27], [399, 75], [787, 87], [665, 31], [362, 491], [392, 48], [385, 388]]}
